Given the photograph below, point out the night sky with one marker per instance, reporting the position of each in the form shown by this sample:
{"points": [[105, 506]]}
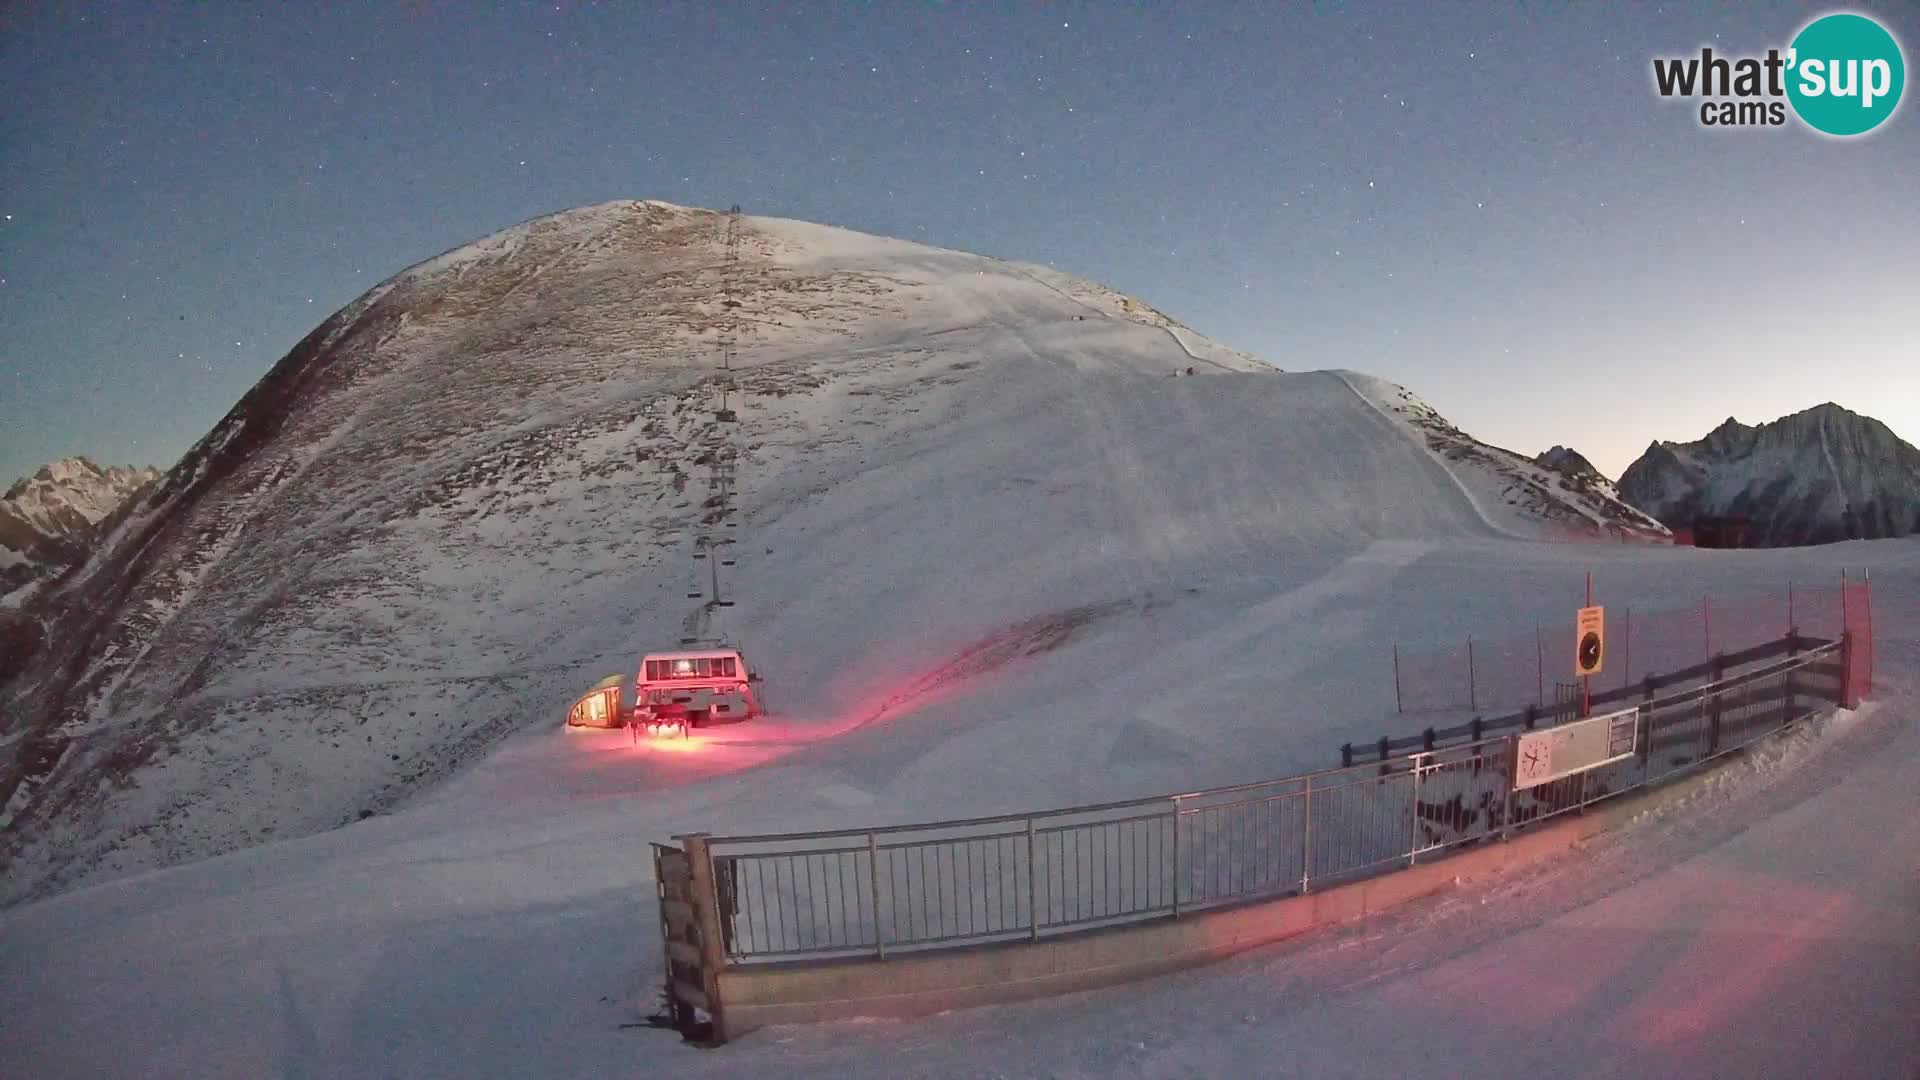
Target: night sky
{"points": [[1490, 206]]}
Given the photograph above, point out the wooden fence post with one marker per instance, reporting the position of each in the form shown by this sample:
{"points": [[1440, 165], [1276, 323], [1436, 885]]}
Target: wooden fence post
{"points": [[1398, 705], [1718, 703], [1790, 690], [706, 912], [1847, 700], [1872, 650], [1473, 696]]}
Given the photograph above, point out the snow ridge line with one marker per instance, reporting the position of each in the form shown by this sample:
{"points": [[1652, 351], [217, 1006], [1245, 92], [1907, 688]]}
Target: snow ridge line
{"points": [[1191, 355], [1458, 485], [1103, 313]]}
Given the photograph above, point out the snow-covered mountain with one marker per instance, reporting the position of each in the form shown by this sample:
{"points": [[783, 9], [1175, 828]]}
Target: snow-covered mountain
{"points": [[1548, 495], [1583, 476], [1569, 461], [1817, 476], [481, 486], [47, 519]]}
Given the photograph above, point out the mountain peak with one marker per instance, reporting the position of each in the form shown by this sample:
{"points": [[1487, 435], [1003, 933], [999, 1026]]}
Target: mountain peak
{"points": [[47, 518], [1828, 412], [1568, 461], [1821, 474]]}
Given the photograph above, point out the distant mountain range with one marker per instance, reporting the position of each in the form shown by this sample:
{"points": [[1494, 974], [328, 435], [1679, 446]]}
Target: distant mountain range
{"points": [[1818, 476], [48, 520]]}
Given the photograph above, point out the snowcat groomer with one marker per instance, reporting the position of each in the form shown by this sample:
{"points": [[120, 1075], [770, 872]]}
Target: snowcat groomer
{"points": [[673, 692], [676, 691]]}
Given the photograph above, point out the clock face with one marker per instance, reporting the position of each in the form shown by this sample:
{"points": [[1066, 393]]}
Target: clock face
{"points": [[1590, 652]]}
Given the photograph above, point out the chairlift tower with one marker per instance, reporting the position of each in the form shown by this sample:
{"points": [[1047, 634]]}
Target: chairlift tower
{"points": [[730, 307], [721, 453]]}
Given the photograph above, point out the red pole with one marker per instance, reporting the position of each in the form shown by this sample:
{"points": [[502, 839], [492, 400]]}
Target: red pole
{"points": [[1790, 622]]}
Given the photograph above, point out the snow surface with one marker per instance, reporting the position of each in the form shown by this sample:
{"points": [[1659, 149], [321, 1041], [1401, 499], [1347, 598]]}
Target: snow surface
{"points": [[483, 504], [481, 497], [1766, 921]]}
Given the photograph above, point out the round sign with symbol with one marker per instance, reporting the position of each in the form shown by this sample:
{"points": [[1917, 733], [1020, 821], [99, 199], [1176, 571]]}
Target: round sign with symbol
{"points": [[1589, 652], [1590, 641]]}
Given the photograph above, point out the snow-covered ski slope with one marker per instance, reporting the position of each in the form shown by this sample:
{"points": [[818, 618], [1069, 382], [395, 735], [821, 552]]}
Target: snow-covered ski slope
{"points": [[994, 555], [476, 490], [504, 927]]}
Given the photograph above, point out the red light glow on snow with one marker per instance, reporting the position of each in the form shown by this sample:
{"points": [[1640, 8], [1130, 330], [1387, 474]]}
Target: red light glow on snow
{"points": [[1669, 965], [912, 693], [672, 743], [734, 747], [1736, 964]]}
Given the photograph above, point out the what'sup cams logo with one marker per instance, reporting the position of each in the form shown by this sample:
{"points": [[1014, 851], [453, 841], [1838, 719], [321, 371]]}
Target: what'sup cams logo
{"points": [[1842, 76]]}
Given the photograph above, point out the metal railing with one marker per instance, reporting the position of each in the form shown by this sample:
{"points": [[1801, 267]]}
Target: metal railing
{"points": [[1566, 708], [872, 892]]}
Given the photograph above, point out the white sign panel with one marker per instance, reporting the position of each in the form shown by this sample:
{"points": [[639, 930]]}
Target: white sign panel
{"points": [[1542, 756]]}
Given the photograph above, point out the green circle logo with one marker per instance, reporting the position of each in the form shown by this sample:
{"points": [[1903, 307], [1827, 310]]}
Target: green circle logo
{"points": [[1845, 74]]}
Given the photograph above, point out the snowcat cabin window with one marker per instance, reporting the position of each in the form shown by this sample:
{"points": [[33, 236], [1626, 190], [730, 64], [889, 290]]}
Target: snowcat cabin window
{"points": [[726, 667]]}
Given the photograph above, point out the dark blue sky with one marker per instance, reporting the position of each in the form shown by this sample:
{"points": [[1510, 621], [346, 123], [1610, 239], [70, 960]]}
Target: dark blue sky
{"points": [[1488, 204]]}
